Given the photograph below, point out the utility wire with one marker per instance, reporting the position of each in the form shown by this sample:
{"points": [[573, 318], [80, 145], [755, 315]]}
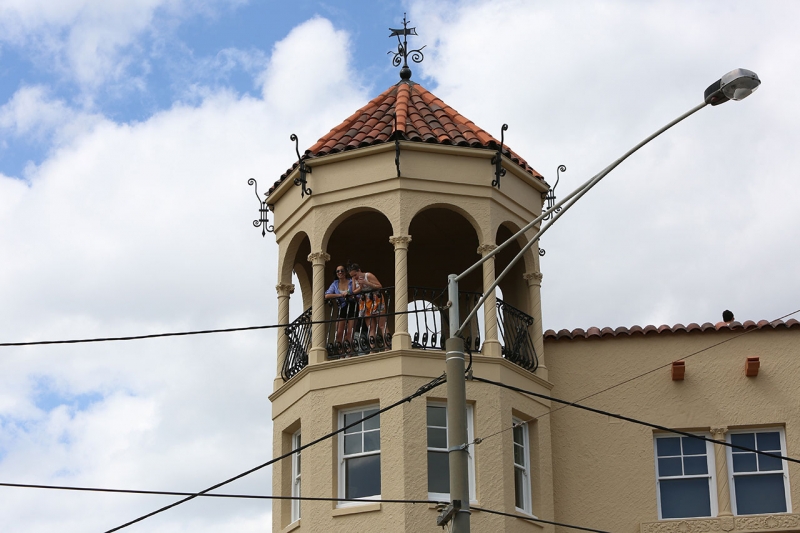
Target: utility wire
{"points": [[532, 519], [637, 376], [241, 496], [634, 420], [422, 390]]}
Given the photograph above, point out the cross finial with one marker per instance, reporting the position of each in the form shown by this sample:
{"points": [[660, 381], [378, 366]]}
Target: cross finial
{"points": [[402, 49]]}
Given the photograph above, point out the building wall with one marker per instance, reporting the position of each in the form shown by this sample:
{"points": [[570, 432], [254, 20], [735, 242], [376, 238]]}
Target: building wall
{"points": [[604, 468]]}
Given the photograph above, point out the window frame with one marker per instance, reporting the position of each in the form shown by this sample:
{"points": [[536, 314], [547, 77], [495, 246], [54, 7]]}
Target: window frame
{"points": [[296, 476], [342, 458], [445, 496], [711, 476], [525, 468], [785, 467]]}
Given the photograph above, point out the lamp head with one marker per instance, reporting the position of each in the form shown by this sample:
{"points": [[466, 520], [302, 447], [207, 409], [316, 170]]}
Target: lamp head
{"points": [[737, 84]]}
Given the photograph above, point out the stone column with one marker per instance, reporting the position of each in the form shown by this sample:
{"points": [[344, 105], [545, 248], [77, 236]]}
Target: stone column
{"points": [[284, 290], [534, 280], [721, 460], [401, 340], [318, 353], [491, 345]]}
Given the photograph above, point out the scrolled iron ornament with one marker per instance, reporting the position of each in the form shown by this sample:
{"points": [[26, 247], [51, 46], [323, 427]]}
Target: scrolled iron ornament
{"points": [[497, 159], [550, 196], [264, 209], [403, 53], [304, 169]]}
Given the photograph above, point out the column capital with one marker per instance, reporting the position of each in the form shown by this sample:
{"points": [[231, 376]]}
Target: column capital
{"points": [[533, 278], [400, 241], [319, 258], [484, 249], [718, 433], [284, 289]]}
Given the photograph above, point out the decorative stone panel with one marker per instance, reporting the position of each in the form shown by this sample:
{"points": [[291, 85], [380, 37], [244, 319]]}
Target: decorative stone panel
{"points": [[726, 524]]}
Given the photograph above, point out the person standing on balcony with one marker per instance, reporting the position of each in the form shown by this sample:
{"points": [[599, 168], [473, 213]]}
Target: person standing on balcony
{"points": [[342, 289], [372, 306]]}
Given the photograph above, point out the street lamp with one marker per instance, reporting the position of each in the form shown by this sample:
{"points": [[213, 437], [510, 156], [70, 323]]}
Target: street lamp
{"points": [[735, 85]]}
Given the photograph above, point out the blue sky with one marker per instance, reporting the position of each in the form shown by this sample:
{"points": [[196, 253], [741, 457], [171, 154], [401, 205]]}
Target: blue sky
{"points": [[128, 131]]}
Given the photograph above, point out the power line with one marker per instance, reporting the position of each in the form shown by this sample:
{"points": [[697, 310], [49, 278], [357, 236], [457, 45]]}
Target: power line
{"points": [[634, 420], [240, 496], [422, 390], [639, 375], [532, 519]]}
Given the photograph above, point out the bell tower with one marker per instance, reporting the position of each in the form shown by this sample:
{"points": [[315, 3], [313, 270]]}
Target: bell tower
{"points": [[411, 191]]}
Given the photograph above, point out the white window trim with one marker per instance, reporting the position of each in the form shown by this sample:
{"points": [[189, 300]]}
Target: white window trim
{"points": [[296, 476], [340, 453], [526, 492], [445, 496], [785, 465], [712, 484]]}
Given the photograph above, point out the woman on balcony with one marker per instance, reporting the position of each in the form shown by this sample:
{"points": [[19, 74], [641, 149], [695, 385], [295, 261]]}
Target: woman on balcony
{"points": [[372, 306], [342, 289]]}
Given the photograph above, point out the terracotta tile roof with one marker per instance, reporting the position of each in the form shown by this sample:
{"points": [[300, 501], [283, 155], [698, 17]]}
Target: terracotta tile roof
{"points": [[421, 117], [609, 332]]}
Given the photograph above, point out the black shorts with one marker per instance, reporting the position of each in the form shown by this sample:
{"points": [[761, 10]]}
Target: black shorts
{"points": [[349, 311]]}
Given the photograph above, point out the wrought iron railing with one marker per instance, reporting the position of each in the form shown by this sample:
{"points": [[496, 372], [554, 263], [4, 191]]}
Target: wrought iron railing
{"points": [[362, 326], [514, 328], [359, 324], [299, 333]]}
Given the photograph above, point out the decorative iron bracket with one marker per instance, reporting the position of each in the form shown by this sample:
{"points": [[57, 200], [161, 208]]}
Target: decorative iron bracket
{"points": [[497, 160], [304, 169], [550, 196], [264, 210], [402, 49]]}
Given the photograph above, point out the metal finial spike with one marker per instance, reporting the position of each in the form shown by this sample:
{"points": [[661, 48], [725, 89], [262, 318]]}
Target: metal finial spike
{"points": [[402, 49]]}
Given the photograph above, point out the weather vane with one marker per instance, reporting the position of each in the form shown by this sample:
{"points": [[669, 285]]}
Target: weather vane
{"points": [[403, 51]]}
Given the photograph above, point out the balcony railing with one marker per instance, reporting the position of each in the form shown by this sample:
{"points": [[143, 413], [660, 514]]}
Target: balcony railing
{"points": [[363, 326]]}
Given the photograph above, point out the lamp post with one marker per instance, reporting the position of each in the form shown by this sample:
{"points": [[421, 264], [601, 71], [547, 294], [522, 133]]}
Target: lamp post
{"points": [[735, 85]]}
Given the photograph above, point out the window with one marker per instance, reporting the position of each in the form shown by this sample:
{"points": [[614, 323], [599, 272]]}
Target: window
{"points": [[296, 443], [685, 473], [522, 471], [360, 455], [438, 460], [759, 483]]}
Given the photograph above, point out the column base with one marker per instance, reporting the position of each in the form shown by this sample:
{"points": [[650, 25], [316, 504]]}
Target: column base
{"points": [[317, 356], [492, 348], [401, 341], [277, 383]]}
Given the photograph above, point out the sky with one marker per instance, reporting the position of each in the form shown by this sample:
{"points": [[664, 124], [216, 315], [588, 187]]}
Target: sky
{"points": [[128, 131]]}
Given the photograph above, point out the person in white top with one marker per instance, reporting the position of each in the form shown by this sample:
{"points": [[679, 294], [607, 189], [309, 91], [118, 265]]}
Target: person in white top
{"points": [[372, 305]]}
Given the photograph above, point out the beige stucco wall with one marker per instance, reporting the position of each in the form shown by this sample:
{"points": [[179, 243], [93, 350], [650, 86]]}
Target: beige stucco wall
{"points": [[311, 400], [604, 468]]}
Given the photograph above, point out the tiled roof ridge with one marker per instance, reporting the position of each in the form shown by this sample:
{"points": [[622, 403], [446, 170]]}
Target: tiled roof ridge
{"points": [[407, 111], [595, 332]]}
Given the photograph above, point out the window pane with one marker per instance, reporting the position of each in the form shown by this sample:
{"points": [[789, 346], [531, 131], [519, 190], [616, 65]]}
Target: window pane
{"points": [[760, 494], [685, 498], [352, 444], [744, 462], [372, 441], [519, 455], [349, 418], [670, 467], [693, 446], [438, 472], [768, 442], [748, 440], [374, 422], [695, 465], [437, 416], [519, 490], [518, 436], [362, 476], [766, 462], [437, 438], [668, 446]]}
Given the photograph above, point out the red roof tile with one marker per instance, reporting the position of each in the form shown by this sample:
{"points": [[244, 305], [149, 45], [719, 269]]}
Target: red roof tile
{"points": [[420, 117], [594, 332]]}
